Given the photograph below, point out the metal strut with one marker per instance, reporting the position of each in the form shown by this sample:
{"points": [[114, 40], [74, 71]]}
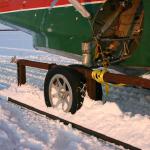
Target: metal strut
{"points": [[21, 68], [85, 71]]}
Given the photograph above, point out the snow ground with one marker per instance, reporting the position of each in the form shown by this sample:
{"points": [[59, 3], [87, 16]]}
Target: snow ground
{"points": [[25, 130], [125, 115]]}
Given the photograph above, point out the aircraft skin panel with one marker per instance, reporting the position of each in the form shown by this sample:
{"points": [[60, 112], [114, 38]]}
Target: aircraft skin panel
{"points": [[24, 5], [64, 29], [59, 28]]}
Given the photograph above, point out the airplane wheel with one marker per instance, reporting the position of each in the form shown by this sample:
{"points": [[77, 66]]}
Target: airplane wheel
{"points": [[62, 89]]}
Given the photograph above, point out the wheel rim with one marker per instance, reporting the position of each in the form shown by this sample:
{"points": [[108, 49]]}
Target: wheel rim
{"points": [[60, 93]]}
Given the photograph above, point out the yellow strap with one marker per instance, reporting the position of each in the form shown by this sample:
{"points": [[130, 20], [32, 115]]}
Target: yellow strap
{"points": [[98, 75], [119, 85]]}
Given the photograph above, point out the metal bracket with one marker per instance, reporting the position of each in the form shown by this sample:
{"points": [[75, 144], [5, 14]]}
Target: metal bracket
{"points": [[21, 68]]}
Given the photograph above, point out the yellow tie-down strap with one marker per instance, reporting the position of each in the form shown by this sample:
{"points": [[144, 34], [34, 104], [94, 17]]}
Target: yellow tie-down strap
{"points": [[98, 75]]}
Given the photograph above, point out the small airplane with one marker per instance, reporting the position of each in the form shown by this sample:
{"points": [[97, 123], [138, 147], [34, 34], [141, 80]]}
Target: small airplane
{"points": [[100, 33]]}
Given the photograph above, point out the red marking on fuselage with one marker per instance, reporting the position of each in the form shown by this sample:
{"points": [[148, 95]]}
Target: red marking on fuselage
{"points": [[16, 5]]}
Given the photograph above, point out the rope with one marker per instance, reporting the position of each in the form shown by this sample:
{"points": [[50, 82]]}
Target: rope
{"points": [[98, 75]]}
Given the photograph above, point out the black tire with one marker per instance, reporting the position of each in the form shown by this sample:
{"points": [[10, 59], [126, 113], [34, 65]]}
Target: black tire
{"points": [[75, 81], [95, 86]]}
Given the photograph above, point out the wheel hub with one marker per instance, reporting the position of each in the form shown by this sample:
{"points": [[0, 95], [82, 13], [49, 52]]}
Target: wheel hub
{"points": [[60, 92]]}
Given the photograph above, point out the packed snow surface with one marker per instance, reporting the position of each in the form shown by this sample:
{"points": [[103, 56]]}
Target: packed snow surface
{"points": [[125, 115]]}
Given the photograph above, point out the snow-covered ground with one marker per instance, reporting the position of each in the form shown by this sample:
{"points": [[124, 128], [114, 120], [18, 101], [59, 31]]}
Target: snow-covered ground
{"points": [[125, 115]]}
